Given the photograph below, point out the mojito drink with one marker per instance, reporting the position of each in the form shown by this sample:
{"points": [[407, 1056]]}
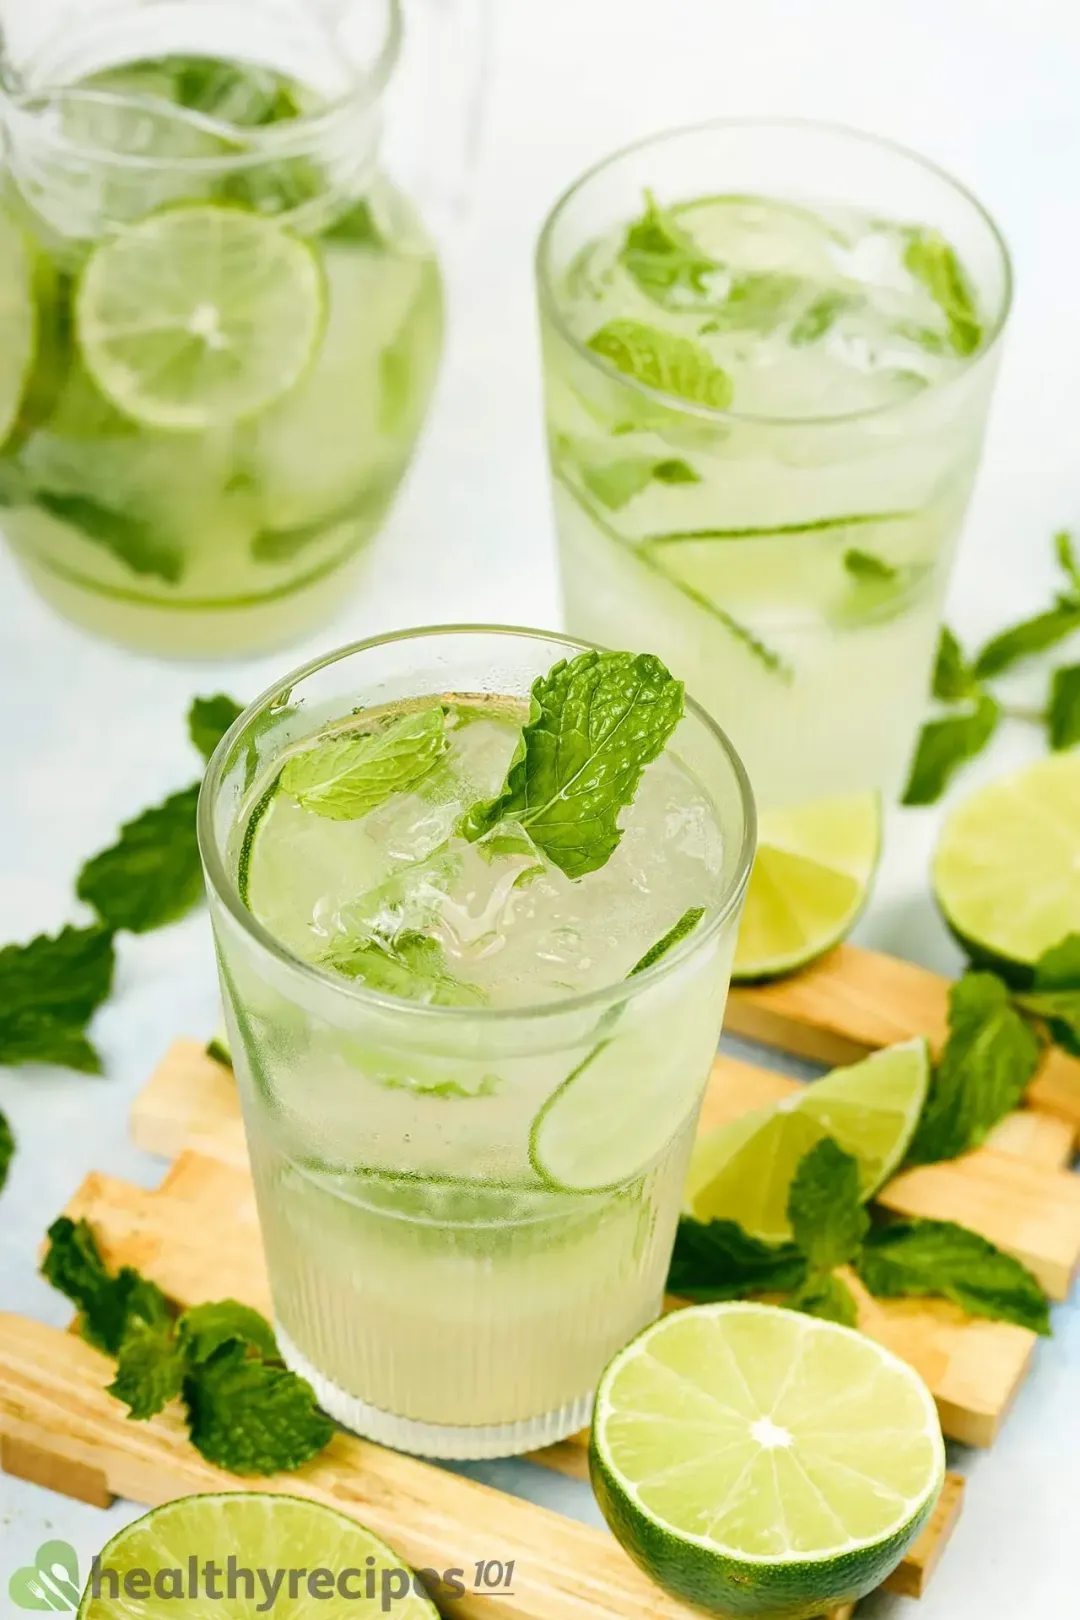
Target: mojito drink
{"points": [[475, 957], [222, 326], [766, 396]]}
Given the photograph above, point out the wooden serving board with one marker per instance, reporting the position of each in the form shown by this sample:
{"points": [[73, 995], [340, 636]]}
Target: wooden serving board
{"points": [[197, 1236]]}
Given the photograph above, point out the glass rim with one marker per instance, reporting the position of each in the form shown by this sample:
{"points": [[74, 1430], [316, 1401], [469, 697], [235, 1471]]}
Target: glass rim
{"points": [[267, 145], [550, 302], [227, 892]]}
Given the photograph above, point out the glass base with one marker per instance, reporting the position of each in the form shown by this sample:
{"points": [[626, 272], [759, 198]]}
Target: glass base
{"points": [[450, 1441]]}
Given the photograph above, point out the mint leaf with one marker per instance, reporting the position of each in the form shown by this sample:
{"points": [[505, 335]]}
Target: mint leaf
{"points": [[1063, 714], [49, 991], [1058, 968], [715, 1260], [7, 1150], [819, 318], [1027, 638], [252, 1418], [984, 1070], [152, 875], [826, 1296], [665, 261], [934, 262], [757, 302], [825, 1206], [954, 678], [1056, 993], [149, 1369], [348, 776], [1066, 559], [664, 361], [865, 565], [615, 483], [108, 1304], [945, 745], [685, 925], [134, 543], [675, 471], [940, 1260], [596, 722], [411, 966], [203, 1329], [209, 718]]}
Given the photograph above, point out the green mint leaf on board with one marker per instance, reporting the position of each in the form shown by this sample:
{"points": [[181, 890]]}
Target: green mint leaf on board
{"points": [[715, 1260], [209, 718], [152, 875], [132, 542], [1056, 993], [595, 723], [818, 318], [1063, 714], [348, 776], [203, 1329], [678, 932], [940, 1260], [149, 1369], [108, 1304], [934, 262], [944, 745], [982, 1074], [7, 1149], [664, 259], [410, 965], [825, 1207], [865, 565], [664, 361], [826, 1296], [1029, 637], [252, 1418], [954, 678], [49, 990], [1067, 559]]}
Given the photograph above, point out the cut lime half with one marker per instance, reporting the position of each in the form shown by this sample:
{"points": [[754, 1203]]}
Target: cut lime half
{"points": [[743, 1171], [755, 1461], [198, 316], [18, 320], [1006, 870], [257, 1531], [812, 876]]}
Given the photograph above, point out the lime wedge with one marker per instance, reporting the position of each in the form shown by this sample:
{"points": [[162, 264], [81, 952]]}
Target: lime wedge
{"points": [[18, 320], [199, 316], [812, 875], [258, 1532], [1006, 871], [754, 1461], [743, 1171]]}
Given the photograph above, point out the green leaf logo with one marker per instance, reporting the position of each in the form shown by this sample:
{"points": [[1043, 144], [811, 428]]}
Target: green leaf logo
{"points": [[51, 1583]]}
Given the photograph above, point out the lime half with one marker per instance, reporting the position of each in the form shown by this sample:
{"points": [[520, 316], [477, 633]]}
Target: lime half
{"points": [[199, 316], [260, 1532], [743, 1171], [18, 320], [812, 875], [1006, 871], [756, 1461]]}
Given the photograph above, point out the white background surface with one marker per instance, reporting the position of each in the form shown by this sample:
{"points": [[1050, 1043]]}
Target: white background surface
{"points": [[90, 735]]}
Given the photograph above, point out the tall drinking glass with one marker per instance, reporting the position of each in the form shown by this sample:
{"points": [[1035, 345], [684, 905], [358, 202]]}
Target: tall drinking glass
{"points": [[222, 321], [769, 350], [468, 1203]]}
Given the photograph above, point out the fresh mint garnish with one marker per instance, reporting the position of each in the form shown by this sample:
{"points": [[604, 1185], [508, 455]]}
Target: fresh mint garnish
{"points": [[940, 1260], [662, 360], [1055, 993], [253, 1417], [152, 875], [825, 1207], [202, 1330], [50, 988], [674, 936], [934, 262], [866, 565], [108, 1304], [149, 1369], [350, 775], [410, 965], [134, 543], [716, 1260], [982, 1074], [945, 745], [1031, 636], [954, 678], [596, 721], [209, 718], [827, 1296], [665, 261], [1063, 714]]}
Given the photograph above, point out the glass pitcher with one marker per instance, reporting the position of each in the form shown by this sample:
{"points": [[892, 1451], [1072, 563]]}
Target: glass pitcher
{"points": [[221, 321]]}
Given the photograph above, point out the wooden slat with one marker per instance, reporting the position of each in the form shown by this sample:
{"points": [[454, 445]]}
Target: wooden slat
{"points": [[853, 1001], [910, 1577]]}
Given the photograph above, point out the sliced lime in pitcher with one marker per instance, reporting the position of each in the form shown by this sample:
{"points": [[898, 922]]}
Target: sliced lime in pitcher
{"points": [[18, 320]]}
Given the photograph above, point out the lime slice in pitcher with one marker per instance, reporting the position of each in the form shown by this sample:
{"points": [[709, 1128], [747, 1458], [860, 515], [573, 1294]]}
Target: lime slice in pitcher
{"points": [[18, 320], [199, 316]]}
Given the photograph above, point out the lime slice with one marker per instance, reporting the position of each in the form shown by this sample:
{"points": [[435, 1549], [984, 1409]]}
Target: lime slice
{"points": [[257, 1532], [1006, 871], [199, 316], [743, 1171], [811, 879], [756, 1461], [18, 320]]}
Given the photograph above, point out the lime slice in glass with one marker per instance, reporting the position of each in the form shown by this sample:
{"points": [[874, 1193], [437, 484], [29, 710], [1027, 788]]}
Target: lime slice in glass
{"points": [[754, 1461], [1006, 870], [199, 316], [18, 320], [743, 1171], [812, 875], [259, 1532]]}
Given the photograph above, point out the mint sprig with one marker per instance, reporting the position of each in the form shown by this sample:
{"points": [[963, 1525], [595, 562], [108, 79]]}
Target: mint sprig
{"points": [[152, 875], [945, 745], [596, 722], [934, 262], [915, 1259], [347, 776], [825, 1207], [50, 989], [209, 718], [665, 261], [663, 360], [410, 965]]}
